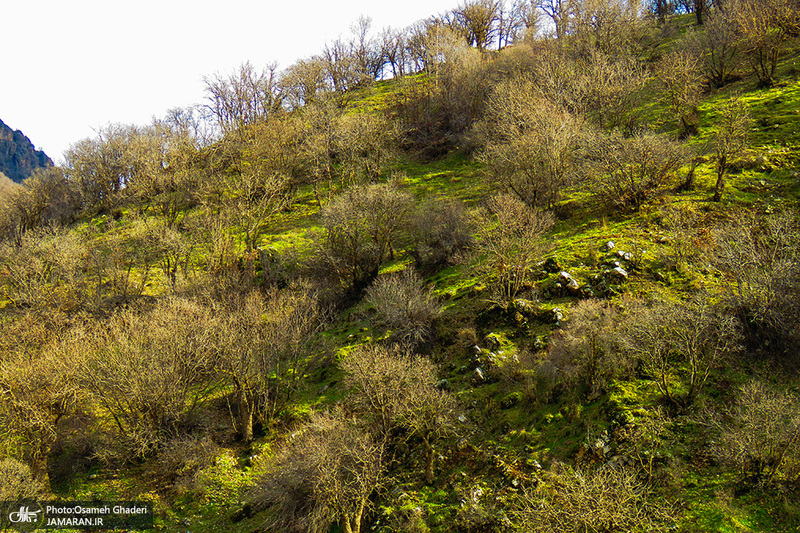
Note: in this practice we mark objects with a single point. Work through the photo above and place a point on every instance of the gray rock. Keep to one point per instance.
(567, 281)
(617, 274)
(492, 341)
(609, 246)
(478, 377)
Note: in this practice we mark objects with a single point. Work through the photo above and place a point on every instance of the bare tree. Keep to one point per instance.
(46, 197)
(764, 27)
(394, 47)
(627, 172)
(760, 434)
(731, 139)
(259, 337)
(405, 306)
(363, 225)
(106, 168)
(250, 175)
(35, 394)
(245, 97)
(397, 390)
(509, 244)
(327, 473)
(318, 123)
(442, 233)
(147, 373)
(304, 82)
(478, 21)
(761, 255)
(515, 20)
(529, 142)
(682, 83)
(609, 26)
(684, 340)
(586, 351)
(558, 12)
(718, 48)
(364, 144)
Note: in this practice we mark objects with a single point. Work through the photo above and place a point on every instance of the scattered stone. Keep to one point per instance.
(609, 246)
(478, 378)
(567, 281)
(526, 308)
(492, 341)
(550, 265)
(477, 350)
(537, 344)
(617, 274)
(627, 256)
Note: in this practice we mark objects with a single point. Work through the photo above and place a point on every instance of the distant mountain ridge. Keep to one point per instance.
(18, 156)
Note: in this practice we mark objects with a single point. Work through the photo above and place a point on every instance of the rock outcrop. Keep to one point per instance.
(18, 157)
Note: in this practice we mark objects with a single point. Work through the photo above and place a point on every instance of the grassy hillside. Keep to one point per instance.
(590, 364)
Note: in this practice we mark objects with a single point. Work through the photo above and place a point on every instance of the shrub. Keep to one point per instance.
(608, 499)
(509, 244)
(326, 474)
(626, 172)
(441, 233)
(585, 350)
(180, 459)
(679, 341)
(761, 255)
(405, 306)
(682, 83)
(396, 390)
(760, 434)
(17, 482)
(363, 225)
(528, 143)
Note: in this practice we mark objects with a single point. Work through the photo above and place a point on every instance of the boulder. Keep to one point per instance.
(550, 265)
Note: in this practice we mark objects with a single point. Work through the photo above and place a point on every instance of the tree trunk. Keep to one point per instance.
(245, 416)
(429, 459)
(719, 187)
(700, 11)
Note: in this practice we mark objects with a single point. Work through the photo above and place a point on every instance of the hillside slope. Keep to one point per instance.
(302, 327)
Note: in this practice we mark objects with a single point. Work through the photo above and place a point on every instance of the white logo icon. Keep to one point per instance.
(23, 515)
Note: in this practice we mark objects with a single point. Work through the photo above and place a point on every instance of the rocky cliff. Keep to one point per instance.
(18, 157)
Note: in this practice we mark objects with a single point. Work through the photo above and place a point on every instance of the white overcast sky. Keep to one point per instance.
(69, 67)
